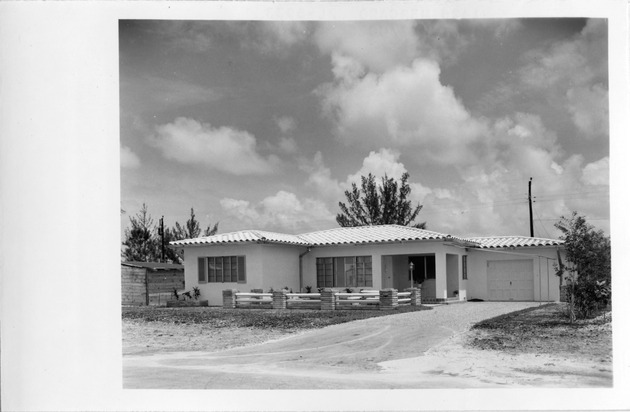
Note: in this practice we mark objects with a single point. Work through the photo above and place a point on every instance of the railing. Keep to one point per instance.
(304, 300)
(404, 298)
(261, 300)
(328, 299)
(362, 300)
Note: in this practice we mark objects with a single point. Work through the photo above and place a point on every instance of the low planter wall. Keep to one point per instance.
(328, 299)
(185, 303)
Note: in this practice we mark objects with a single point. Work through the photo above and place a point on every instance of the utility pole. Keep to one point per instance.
(161, 232)
(531, 216)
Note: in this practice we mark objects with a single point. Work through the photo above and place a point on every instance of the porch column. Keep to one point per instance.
(377, 270)
(440, 275)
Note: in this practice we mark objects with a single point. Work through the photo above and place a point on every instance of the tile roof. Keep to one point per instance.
(154, 265)
(494, 242)
(370, 234)
(337, 236)
(256, 236)
(365, 235)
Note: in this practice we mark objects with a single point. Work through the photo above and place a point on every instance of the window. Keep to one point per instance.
(464, 267)
(352, 271)
(222, 269)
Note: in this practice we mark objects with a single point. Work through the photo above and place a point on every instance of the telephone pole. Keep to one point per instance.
(531, 217)
(161, 232)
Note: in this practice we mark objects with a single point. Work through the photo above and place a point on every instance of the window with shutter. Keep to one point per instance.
(201, 268)
(222, 269)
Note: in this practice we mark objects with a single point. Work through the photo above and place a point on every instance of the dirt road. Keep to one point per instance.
(412, 350)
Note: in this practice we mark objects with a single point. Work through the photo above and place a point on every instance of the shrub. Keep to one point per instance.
(587, 272)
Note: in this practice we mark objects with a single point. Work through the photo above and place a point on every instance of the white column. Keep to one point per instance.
(440, 275)
(377, 272)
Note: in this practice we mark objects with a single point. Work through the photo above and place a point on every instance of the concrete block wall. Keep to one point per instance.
(133, 286)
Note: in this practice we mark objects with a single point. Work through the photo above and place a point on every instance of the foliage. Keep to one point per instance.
(196, 292)
(192, 229)
(587, 271)
(143, 239)
(140, 240)
(175, 294)
(382, 204)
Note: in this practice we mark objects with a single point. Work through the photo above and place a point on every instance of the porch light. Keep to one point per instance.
(411, 265)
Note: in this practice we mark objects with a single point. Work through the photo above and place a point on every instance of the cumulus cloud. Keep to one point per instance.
(597, 173)
(493, 193)
(287, 143)
(128, 159)
(588, 106)
(320, 178)
(224, 149)
(286, 124)
(576, 70)
(413, 109)
(375, 45)
(441, 40)
(381, 163)
(282, 211)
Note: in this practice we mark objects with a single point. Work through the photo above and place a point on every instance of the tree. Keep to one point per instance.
(141, 244)
(143, 240)
(190, 231)
(192, 228)
(382, 204)
(588, 270)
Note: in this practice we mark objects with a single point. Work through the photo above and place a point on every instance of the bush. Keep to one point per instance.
(587, 272)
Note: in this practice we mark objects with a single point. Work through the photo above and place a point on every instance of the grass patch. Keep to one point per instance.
(546, 329)
(288, 320)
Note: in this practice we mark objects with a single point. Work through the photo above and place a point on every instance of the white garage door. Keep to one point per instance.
(511, 279)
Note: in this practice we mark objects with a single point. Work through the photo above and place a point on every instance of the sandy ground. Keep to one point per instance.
(413, 350)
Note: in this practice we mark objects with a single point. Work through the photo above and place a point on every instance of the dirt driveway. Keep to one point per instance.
(411, 350)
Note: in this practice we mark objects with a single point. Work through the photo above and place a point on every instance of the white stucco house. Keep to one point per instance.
(375, 257)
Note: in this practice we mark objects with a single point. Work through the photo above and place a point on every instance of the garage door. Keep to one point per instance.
(511, 279)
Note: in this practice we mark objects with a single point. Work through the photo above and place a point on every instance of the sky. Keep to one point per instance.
(264, 125)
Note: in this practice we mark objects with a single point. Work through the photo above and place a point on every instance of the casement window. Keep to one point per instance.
(222, 269)
(351, 271)
(464, 267)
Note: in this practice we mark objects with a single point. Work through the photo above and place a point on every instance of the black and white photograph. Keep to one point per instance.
(370, 167)
(296, 207)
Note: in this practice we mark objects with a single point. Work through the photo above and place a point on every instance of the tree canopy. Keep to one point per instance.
(383, 204)
(587, 271)
(143, 240)
(140, 242)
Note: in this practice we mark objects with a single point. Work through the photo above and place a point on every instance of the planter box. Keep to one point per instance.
(186, 303)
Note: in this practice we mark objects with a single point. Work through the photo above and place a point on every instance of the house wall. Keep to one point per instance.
(546, 283)
(281, 267)
(389, 262)
(266, 266)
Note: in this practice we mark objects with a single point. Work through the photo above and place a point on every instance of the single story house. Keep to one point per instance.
(145, 283)
(446, 267)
